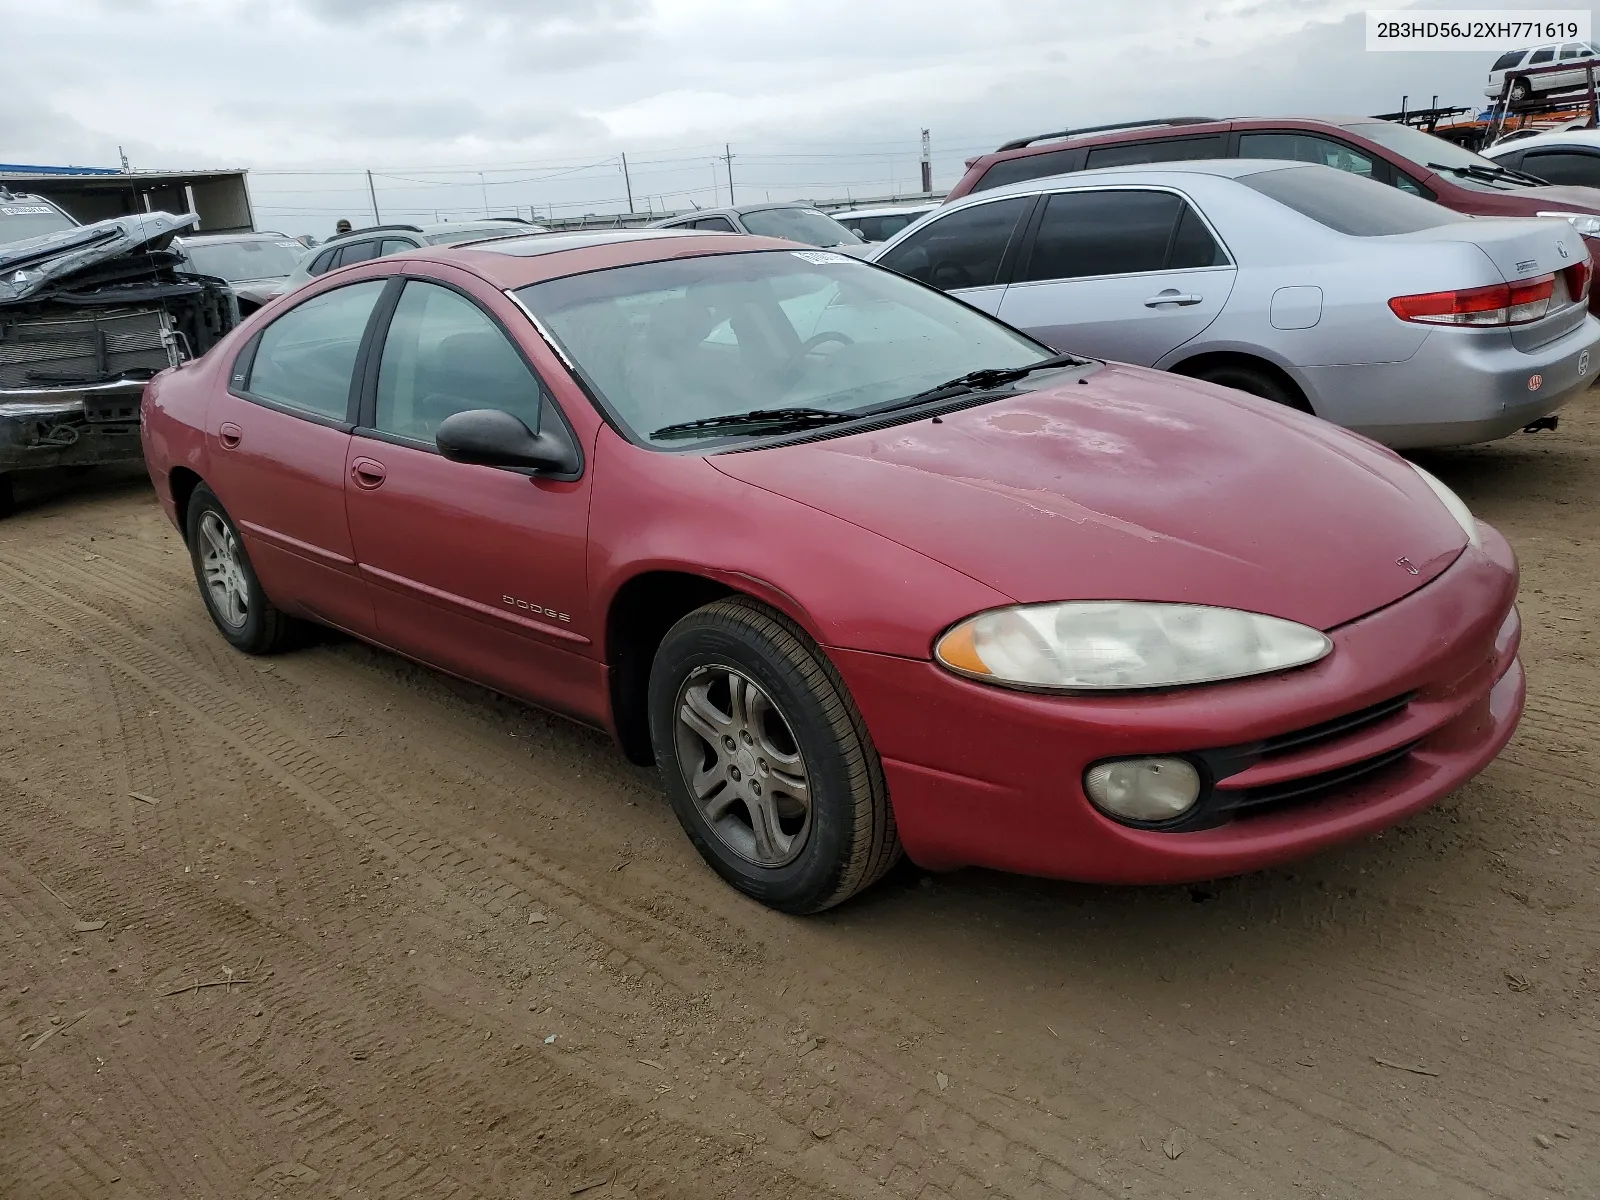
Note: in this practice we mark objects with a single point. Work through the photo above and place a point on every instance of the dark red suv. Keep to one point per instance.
(1397, 155)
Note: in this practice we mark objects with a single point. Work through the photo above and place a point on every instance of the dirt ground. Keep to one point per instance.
(468, 953)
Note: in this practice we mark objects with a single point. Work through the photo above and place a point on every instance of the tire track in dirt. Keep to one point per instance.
(991, 1132)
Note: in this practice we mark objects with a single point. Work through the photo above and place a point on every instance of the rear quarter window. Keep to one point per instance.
(1347, 203)
(1030, 166)
(1508, 60)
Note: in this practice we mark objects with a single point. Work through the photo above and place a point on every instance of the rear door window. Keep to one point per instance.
(1542, 56)
(1117, 233)
(1347, 204)
(305, 358)
(1563, 166)
(1031, 166)
(358, 252)
(1306, 147)
(1164, 150)
(443, 355)
(964, 249)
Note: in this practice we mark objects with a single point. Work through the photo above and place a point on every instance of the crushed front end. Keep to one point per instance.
(86, 319)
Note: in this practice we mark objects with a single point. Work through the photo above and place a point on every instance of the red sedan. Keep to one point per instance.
(856, 565)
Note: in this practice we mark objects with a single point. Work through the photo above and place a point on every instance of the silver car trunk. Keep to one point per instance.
(1525, 248)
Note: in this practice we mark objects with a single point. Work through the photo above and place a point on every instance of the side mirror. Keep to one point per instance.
(489, 437)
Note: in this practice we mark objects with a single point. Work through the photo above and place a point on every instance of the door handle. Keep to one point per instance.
(368, 473)
(230, 435)
(1173, 296)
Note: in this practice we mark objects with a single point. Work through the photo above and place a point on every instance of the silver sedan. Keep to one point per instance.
(1369, 307)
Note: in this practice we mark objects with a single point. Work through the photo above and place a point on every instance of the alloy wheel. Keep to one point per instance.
(223, 571)
(743, 766)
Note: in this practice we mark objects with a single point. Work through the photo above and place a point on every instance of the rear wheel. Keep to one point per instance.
(228, 584)
(1256, 381)
(1520, 90)
(766, 759)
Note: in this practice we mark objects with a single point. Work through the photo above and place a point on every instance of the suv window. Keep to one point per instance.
(305, 358)
(24, 217)
(394, 246)
(443, 355)
(1571, 50)
(1508, 60)
(355, 252)
(1032, 166)
(1542, 56)
(1348, 204)
(1117, 233)
(323, 262)
(720, 224)
(1165, 150)
(1563, 166)
(962, 250)
(1306, 147)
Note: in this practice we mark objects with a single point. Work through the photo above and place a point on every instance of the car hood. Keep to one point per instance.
(1555, 197)
(35, 265)
(1135, 485)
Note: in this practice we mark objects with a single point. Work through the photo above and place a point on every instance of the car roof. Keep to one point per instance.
(1167, 172)
(885, 210)
(734, 210)
(514, 262)
(1560, 137)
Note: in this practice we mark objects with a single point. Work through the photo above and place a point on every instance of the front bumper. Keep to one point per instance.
(68, 427)
(1457, 390)
(983, 776)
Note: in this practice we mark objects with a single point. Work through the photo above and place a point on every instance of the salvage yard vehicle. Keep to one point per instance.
(1323, 291)
(1382, 151)
(796, 222)
(1568, 156)
(1578, 54)
(856, 565)
(256, 265)
(881, 224)
(377, 241)
(88, 314)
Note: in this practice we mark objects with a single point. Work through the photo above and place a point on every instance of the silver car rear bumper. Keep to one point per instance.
(1461, 386)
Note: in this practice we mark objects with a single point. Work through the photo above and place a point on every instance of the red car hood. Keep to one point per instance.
(1560, 198)
(1136, 485)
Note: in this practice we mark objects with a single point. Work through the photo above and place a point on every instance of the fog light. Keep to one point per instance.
(1143, 789)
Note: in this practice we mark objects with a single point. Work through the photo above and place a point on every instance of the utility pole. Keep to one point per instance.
(716, 193)
(373, 192)
(927, 165)
(485, 188)
(626, 182)
(727, 157)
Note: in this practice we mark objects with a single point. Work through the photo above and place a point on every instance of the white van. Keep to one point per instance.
(1579, 54)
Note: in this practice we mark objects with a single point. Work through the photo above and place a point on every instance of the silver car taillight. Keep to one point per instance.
(1497, 304)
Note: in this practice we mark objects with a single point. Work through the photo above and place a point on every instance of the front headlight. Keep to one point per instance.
(1454, 503)
(1116, 645)
(1585, 223)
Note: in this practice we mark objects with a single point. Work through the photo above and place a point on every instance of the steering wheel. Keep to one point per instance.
(822, 339)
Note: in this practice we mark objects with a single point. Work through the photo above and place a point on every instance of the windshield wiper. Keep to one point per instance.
(775, 418)
(804, 418)
(1489, 174)
(975, 381)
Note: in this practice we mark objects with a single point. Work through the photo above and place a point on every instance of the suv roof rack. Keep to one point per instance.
(378, 228)
(1066, 133)
(511, 220)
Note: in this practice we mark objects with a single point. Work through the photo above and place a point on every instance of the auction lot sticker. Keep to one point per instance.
(1476, 29)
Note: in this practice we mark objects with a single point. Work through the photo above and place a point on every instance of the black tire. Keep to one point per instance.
(8, 496)
(848, 839)
(261, 628)
(1520, 90)
(1257, 382)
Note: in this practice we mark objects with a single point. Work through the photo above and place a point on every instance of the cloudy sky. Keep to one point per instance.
(519, 105)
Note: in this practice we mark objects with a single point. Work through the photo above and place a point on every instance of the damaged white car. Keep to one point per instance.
(88, 314)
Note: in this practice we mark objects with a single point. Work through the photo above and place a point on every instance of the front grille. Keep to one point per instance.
(1300, 739)
(83, 347)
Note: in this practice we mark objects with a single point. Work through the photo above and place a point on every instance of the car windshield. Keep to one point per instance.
(692, 339)
(1348, 203)
(23, 219)
(255, 258)
(799, 225)
(1424, 149)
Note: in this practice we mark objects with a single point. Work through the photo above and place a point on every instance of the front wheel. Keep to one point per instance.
(228, 584)
(766, 759)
